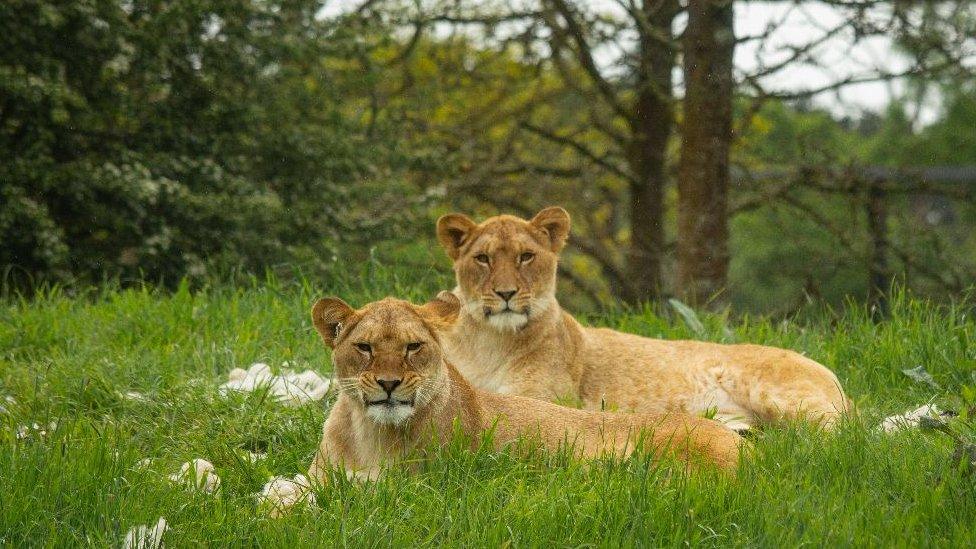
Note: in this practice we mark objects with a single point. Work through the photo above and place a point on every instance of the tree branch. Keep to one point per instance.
(601, 161)
(584, 54)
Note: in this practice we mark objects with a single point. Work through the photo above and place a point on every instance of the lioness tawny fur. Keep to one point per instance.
(512, 337)
(397, 393)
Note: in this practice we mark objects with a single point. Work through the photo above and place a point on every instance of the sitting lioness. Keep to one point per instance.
(397, 394)
(513, 338)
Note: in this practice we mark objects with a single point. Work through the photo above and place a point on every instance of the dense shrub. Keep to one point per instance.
(165, 139)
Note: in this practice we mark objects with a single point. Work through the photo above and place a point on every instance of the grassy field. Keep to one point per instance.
(70, 360)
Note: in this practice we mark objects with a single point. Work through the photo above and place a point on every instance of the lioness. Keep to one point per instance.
(397, 393)
(513, 338)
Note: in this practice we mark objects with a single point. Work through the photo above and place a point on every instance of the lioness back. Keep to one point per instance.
(742, 380)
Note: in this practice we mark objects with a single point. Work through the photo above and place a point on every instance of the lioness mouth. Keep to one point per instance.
(506, 310)
(389, 402)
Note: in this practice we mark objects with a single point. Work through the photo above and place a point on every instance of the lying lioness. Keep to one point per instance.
(513, 338)
(397, 394)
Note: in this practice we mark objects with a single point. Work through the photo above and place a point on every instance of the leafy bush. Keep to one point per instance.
(162, 140)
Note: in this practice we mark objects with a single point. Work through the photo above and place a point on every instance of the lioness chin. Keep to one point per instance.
(398, 394)
(513, 338)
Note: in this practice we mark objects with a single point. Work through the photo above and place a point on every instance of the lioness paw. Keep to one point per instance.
(281, 494)
(368, 475)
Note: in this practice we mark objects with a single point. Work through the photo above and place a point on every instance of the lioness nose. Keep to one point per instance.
(389, 384)
(506, 295)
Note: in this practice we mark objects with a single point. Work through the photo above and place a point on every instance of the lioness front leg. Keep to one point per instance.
(371, 474)
(281, 494)
(327, 459)
(318, 471)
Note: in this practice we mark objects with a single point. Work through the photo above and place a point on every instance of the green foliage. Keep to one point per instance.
(951, 139)
(810, 245)
(70, 360)
(781, 134)
(160, 140)
(781, 259)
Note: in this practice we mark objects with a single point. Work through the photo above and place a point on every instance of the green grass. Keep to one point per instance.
(67, 358)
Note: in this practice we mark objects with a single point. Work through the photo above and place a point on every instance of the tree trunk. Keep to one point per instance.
(879, 275)
(703, 174)
(651, 127)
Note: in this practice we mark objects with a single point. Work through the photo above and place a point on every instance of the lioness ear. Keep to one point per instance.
(328, 315)
(443, 309)
(555, 222)
(453, 231)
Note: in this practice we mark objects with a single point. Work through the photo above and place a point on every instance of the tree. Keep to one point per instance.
(703, 176)
(653, 122)
(170, 139)
(577, 122)
(615, 64)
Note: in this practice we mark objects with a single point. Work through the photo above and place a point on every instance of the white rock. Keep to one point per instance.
(287, 387)
(259, 369)
(145, 537)
(198, 474)
(24, 431)
(134, 396)
(237, 374)
(910, 419)
(41, 431)
(280, 494)
(314, 385)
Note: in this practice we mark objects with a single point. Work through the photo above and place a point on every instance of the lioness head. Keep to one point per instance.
(505, 266)
(387, 355)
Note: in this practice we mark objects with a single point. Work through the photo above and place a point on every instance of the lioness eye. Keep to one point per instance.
(414, 346)
(364, 347)
(526, 257)
(481, 258)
